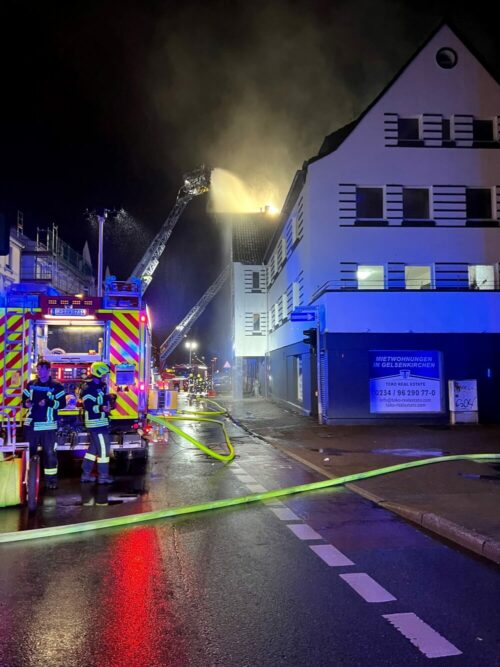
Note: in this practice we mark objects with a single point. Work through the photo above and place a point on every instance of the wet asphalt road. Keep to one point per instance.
(242, 586)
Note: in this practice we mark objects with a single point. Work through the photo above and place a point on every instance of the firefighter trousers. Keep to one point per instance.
(99, 448)
(48, 441)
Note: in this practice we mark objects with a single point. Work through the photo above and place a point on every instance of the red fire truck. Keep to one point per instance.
(72, 332)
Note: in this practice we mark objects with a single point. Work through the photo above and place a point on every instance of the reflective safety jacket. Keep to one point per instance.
(43, 417)
(94, 396)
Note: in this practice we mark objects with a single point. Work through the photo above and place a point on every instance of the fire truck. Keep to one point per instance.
(72, 332)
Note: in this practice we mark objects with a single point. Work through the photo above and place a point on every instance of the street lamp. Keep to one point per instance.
(191, 345)
(100, 220)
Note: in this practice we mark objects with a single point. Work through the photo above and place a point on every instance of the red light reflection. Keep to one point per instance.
(137, 618)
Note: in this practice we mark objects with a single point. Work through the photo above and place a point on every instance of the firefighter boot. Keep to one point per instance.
(51, 482)
(103, 476)
(87, 466)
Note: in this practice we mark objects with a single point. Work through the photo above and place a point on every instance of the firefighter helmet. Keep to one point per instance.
(98, 369)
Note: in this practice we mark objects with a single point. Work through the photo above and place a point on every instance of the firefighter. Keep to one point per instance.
(97, 404)
(43, 397)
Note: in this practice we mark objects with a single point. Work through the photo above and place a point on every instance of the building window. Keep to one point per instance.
(295, 295)
(369, 203)
(370, 277)
(478, 203)
(482, 276)
(483, 130)
(283, 250)
(415, 203)
(408, 129)
(295, 230)
(446, 130)
(255, 280)
(417, 277)
(256, 322)
(446, 58)
(284, 306)
(300, 385)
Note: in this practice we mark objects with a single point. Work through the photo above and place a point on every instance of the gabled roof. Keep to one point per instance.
(251, 234)
(334, 140)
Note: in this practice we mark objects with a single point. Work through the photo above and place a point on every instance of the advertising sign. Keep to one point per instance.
(405, 381)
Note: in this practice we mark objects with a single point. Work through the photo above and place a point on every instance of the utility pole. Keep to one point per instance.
(100, 220)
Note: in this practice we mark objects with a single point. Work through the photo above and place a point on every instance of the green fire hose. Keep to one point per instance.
(228, 502)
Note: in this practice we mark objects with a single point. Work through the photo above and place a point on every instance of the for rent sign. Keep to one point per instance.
(405, 381)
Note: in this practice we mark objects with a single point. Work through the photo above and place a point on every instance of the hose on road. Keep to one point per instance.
(114, 522)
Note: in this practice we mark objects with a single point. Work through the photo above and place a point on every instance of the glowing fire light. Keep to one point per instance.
(270, 209)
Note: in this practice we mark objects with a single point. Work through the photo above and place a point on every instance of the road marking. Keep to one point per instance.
(332, 556)
(304, 532)
(421, 635)
(246, 479)
(367, 587)
(273, 503)
(285, 514)
(256, 488)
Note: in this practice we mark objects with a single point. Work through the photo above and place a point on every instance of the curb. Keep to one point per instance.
(479, 544)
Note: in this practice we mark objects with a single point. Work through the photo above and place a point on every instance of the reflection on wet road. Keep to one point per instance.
(324, 578)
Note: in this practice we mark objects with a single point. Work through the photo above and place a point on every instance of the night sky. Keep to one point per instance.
(107, 103)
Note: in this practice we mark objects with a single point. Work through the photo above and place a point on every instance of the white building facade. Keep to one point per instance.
(250, 236)
(392, 236)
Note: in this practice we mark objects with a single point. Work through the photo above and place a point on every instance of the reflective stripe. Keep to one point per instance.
(103, 460)
(102, 442)
(90, 457)
(50, 471)
(96, 423)
(61, 393)
(56, 405)
(44, 426)
(89, 397)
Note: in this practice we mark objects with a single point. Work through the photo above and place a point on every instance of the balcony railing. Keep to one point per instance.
(410, 286)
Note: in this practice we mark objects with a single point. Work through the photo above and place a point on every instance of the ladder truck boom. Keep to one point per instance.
(196, 183)
(170, 343)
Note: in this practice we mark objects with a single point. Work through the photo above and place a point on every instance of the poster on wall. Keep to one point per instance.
(405, 381)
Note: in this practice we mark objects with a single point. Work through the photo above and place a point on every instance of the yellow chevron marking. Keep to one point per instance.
(133, 327)
(123, 408)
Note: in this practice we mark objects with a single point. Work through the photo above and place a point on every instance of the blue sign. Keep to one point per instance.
(303, 315)
(405, 381)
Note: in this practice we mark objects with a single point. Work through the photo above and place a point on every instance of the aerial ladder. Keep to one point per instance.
(183, 328)
(196, 183)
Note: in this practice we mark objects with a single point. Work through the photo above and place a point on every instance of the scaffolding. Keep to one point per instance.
(49, 260)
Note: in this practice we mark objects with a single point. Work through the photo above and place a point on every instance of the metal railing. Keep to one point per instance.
(397, 286)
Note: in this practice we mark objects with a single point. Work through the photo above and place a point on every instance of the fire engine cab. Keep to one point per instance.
(72, 332)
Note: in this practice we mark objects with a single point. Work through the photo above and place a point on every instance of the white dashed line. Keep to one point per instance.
(421, 635)
(256, 488)
(304, 532)
(246, 479)
(284, 514)
(332, 556)
(367, 587)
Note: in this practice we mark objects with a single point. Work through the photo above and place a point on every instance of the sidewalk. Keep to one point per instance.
(459, 500)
